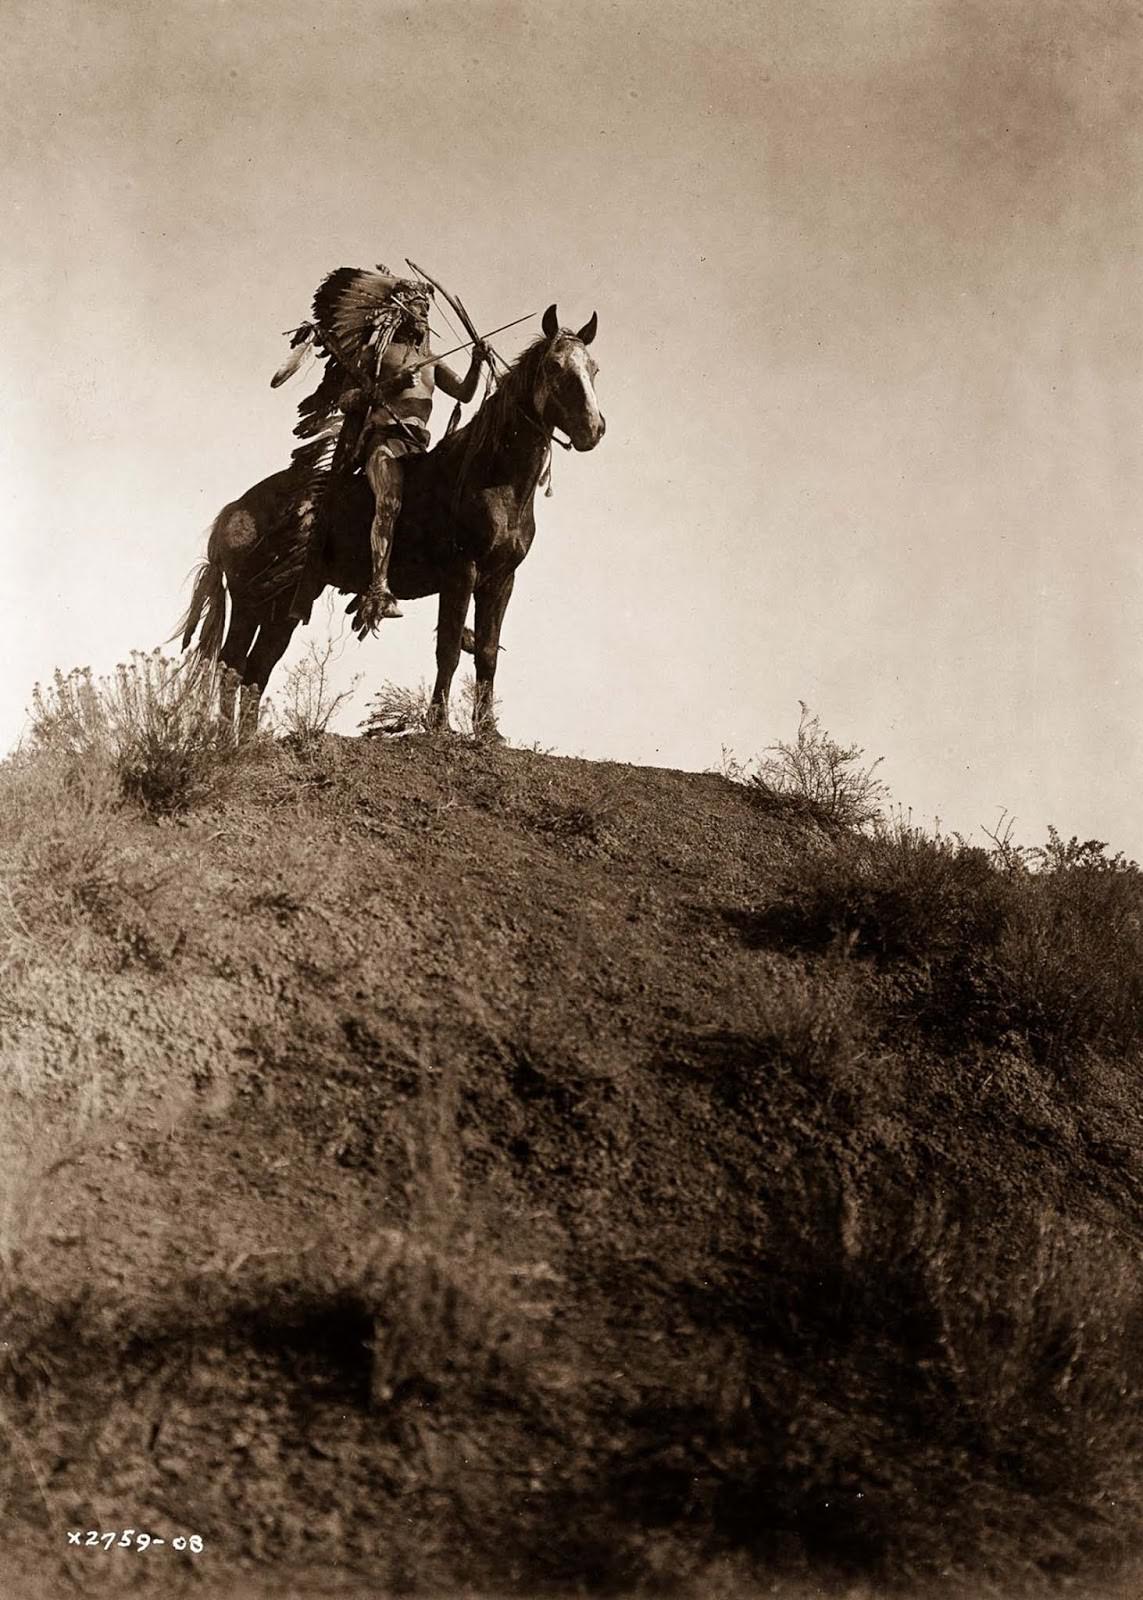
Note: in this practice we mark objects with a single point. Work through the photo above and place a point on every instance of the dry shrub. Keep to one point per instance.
(814, 779)
(307, 702)
(395, 710)
(976, 948)
(154, 722)
(1067, 973)
(898, 895)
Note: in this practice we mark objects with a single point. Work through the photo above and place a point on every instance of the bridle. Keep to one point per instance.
(550, 438)
(534, 422)
(549, 434)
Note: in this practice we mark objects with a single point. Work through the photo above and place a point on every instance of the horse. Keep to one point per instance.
(467, 521)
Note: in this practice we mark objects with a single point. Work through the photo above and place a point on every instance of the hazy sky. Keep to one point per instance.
(869, 292)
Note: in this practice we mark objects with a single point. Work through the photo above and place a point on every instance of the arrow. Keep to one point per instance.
(481, 338)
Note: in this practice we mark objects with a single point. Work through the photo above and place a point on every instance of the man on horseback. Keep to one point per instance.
(373, 405)
(473, 496)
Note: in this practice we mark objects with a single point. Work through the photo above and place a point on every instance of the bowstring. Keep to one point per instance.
(443, 309)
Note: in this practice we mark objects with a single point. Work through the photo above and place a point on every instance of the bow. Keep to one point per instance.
(458, 306)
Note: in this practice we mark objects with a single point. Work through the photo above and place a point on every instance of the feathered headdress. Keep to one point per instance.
(355, 315)
(351, 306)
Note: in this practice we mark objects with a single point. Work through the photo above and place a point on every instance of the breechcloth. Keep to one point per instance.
(384, 434)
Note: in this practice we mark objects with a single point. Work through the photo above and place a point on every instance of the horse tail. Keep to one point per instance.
(208, 607)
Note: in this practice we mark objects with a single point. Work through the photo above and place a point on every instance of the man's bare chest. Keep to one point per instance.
(403, 369)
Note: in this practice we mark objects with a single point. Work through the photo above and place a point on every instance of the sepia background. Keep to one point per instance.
(870, 305)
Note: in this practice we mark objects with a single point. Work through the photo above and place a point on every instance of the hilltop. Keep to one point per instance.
(438, 1169)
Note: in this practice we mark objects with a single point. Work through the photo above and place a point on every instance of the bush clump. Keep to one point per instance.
(396, 710)
(1040, 947)
(1067, 972)
(814, 779)
(154, 722)
(309, 700)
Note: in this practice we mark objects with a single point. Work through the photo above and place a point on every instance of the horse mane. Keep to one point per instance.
(498, 417)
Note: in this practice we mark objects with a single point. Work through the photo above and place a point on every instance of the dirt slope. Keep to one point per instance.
(471, 1200)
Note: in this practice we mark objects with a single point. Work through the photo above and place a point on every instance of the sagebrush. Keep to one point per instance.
(154, 721)
(814, 778)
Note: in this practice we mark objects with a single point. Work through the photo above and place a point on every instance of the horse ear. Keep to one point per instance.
(551, 323)
(587, 333)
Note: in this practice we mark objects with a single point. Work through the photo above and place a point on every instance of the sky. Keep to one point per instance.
(869, 292)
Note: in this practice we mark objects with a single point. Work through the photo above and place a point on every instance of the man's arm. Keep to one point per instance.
(462, 388)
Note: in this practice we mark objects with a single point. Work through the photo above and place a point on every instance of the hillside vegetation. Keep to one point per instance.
(438, 1169)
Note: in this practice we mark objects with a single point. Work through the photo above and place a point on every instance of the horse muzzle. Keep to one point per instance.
(587, 438)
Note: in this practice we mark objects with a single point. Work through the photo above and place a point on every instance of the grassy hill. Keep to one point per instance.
(433, 1169)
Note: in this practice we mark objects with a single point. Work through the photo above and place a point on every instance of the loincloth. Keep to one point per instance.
(408, 436)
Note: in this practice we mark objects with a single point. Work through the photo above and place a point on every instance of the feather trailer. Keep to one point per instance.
(300, 347)
(317, 408)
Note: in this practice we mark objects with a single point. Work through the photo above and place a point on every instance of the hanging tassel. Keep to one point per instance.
(454, 420)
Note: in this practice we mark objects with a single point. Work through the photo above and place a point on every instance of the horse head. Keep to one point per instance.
(564, 395)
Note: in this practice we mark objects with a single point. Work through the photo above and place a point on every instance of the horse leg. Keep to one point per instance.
(270, 647)
(456, 592)
(492, 597)
(232, 659)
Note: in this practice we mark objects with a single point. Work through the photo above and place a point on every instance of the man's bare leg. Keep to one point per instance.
(378, 601)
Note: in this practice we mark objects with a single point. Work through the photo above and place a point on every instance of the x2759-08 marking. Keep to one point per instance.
(131, 1539)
